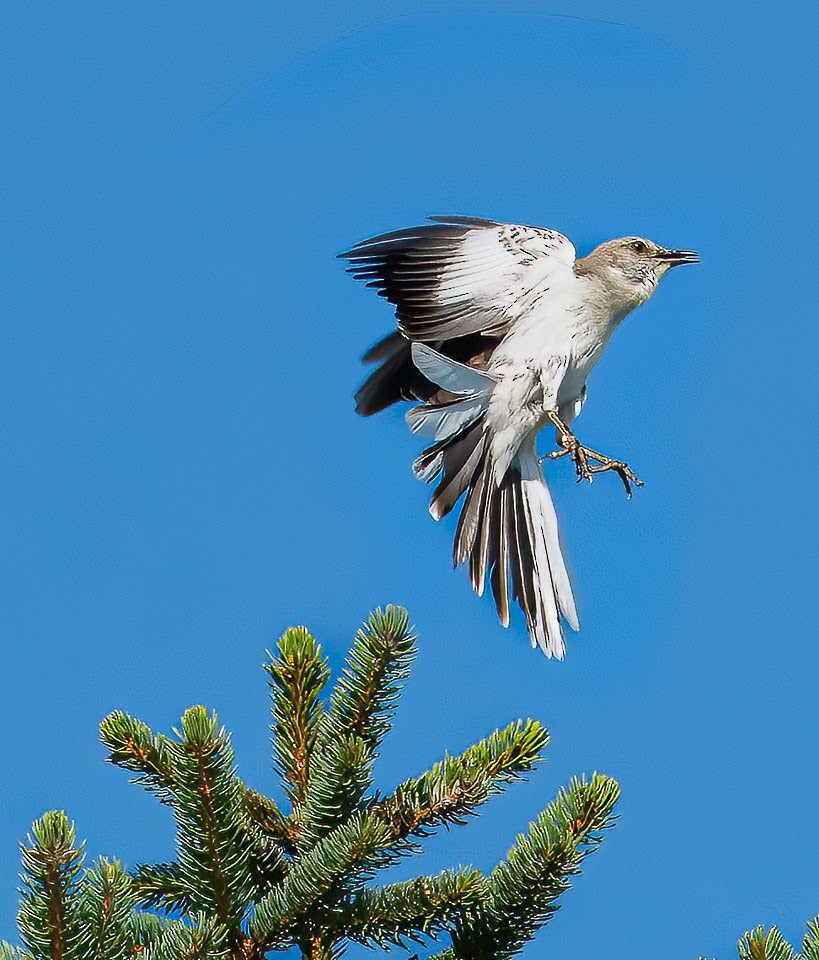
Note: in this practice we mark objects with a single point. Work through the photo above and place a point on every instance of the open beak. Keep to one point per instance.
(675, 257)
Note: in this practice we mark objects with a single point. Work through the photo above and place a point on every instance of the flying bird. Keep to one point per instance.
(499, 326)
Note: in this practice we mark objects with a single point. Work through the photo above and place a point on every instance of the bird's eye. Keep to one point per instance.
(638, 246)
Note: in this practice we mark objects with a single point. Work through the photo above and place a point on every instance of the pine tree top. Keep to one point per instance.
(250, 877)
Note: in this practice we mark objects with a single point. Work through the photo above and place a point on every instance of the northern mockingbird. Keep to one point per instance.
(499, 326)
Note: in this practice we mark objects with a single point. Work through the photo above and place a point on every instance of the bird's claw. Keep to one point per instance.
(585, 470)
(623, 471)
(579, 454)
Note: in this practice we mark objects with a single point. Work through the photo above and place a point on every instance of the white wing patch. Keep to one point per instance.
(458, 277)
(504, 264)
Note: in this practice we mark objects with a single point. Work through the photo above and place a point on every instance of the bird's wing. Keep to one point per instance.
(461, 275)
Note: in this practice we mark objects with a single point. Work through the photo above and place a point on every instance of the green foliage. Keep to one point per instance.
(810, 943)
(762, 944)
(360, 714)
(412, 909)
(213, 857)
(297, 677)
(524, 889)
(455, 786)
(201, 938)
(759, 944)
(52, 865)
(68, 912)
(105, 913)
(249, 878)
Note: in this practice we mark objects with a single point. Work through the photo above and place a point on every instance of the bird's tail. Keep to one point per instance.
(507, 531)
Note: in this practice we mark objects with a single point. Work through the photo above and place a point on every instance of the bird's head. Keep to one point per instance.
(634, 266)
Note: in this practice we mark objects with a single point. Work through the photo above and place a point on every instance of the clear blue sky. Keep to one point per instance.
(183, 474)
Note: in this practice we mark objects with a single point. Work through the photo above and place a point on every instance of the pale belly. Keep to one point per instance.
(542, 364)
(584, 356)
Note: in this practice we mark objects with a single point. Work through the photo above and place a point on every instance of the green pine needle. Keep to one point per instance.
(203, 938)
(525, 888)
(213, 855)
(352, 852)
(360, 715)
(105, 912)
(134, 747)
(297, 677)
(759, 945)
(455, 786)
(52, 865)
(762, 944)
(162, 886)
(268, 818)
(9, 952)
(367, 692)
(810, 944)
(411, 910)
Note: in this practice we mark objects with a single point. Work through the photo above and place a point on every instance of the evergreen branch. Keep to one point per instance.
(360, 714)
(759, 944)
(213, 855)
(268, 836)
(367, 692)
(265, 814)
(134, 747)
(203, 939)
(340, 779)
(810, 943)
(351, 853)
(450, 791)
(162, 885)
(51, 868)
(756, 944)
(267, 863)
(410, 910)
(105, 913)
(146, 929)
(9, 952)
(297, 677)
(524, 889)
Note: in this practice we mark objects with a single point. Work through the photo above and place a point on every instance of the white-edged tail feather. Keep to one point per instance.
(507, 531)
(553, 589)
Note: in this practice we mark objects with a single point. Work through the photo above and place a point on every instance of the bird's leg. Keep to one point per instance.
(620, 467)
(571, 446)
(582, 455)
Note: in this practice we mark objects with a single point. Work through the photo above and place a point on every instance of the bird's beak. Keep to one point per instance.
(675, 257)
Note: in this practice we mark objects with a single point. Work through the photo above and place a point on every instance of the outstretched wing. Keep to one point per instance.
(461, 275)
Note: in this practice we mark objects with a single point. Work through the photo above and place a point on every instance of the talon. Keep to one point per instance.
(581, 456)
(623, 471)
(581, 462)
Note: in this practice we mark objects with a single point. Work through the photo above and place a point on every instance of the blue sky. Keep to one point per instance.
(183, 474)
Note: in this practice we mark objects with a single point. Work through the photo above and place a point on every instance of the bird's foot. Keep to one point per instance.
(620, 467)
(588, 462)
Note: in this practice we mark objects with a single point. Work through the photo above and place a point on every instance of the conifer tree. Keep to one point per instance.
(250, 877)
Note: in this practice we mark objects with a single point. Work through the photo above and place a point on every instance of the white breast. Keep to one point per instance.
(563, 335)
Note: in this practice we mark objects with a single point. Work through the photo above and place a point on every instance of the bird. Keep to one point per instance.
(498, 328)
